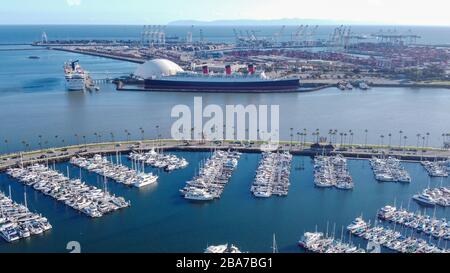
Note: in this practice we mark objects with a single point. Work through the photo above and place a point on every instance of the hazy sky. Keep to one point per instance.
(415, 12)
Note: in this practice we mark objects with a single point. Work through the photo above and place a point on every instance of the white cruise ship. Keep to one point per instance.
(75, 76)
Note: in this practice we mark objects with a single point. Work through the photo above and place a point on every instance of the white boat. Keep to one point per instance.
(9, 234)
(198, 195)
(75, 76)
(145, 180)
(424, 199)
(225, 248)
(363, 86)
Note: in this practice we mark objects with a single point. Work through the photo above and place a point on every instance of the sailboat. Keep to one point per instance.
(274, 245)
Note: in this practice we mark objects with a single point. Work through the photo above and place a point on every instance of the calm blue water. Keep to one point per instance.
(28, 34)
(33, 102)
(160, 220)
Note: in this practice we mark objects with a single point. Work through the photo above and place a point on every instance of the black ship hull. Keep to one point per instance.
(225, 86)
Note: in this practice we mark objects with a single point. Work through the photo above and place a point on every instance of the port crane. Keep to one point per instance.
(278, 35)
(189, 35)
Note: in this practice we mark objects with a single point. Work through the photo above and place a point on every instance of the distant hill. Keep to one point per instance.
(250, 22)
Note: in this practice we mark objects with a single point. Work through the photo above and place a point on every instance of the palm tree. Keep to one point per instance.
(77, 138)
(330, 133)
(24, 145)
(6, 146)
(390, 139)
(298, 138)
(428, 137)
(291, 133)
(40, 142)
(405, 138)
(126, 134)
(382, 140)
(84, 140)
(400, 133)
(342, 135)
(142, 133)
(56, 138)
(418, 137)
(157, 131)
(112, 136)
(96, 137)
(365, 137)
(351, 138)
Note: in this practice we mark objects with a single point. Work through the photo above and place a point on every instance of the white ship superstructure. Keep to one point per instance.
(75, 76)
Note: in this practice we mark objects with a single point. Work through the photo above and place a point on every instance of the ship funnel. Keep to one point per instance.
(205, 70)
(228, 69)
(251, 69)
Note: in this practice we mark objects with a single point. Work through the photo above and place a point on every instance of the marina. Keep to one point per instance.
(168, 162)
(389, 170)
(17, 222)
(272, 175)
(332, 171)
(429, 225)
(436, 168)
(321, 243)
(135, 176)
(391, 238)
(74, 193)
(213, 175)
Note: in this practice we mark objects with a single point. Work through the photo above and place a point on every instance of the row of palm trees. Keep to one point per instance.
(334, 137)
(347, 138)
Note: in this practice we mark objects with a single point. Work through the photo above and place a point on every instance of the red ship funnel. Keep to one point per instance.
(205, 70)
(228, 69)
(251, 69)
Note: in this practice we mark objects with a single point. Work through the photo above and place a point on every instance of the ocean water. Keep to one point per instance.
(160, 220)
(28, 34)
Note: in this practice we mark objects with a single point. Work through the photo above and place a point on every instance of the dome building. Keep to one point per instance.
(157, 68)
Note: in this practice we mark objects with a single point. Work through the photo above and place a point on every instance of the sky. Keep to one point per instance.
(401, 12)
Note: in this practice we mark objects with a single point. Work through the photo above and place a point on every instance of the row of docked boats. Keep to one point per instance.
(74, 193)
(272, 175)
(389, 170)
(332, 171)
(392, 239)
(436, 168)
(99, 164)
(320, 243)
(17, 222)
(168, 162)
(212, 177)
(421, 223)
(434, 196)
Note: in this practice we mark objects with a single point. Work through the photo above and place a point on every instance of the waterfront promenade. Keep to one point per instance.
(62, 154)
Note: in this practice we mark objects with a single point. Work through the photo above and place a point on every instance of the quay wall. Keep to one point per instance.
(64, 154)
